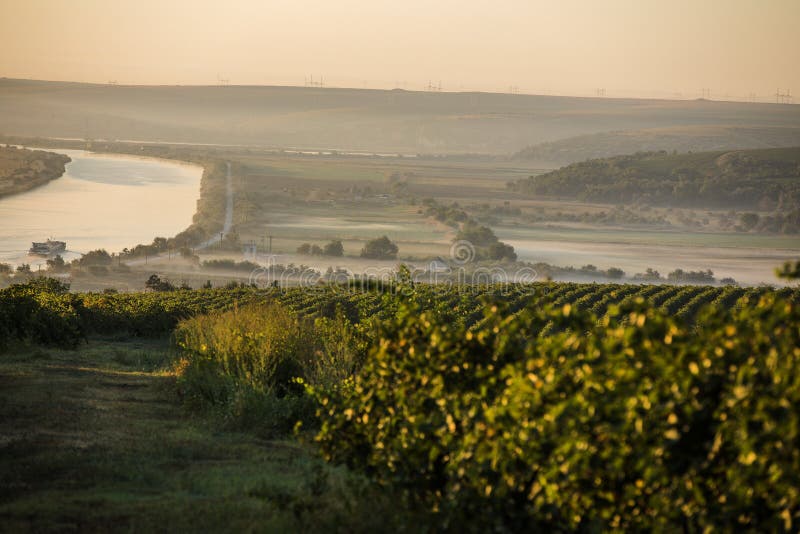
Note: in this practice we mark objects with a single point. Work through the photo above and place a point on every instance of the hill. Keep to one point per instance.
(350, 119)
(681, 139)
(766, 179)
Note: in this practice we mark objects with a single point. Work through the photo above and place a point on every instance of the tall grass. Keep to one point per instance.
(250, 362)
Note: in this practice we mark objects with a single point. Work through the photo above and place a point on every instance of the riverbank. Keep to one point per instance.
(22, 169)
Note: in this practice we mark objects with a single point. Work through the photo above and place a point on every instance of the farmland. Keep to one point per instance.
(246, 391)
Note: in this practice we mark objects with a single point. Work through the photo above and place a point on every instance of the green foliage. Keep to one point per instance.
(334, 248)
(381, 248)
(95, 257)
(250, 362)
(41, 311)
(636, 422)
(755, 179)
(789, 271)
(156, 283)
(56, 264)
(486, 244)
(691, 277)
(231, 265)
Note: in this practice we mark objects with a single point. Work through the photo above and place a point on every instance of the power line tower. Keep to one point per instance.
(311, 83)
(600, 91)
(705, 93)
(783, 98)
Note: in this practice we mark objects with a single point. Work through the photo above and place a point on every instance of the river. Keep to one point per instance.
(105, 201)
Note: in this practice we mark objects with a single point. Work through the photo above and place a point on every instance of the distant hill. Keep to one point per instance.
(766, 179)
(681, 139)
(352, 119)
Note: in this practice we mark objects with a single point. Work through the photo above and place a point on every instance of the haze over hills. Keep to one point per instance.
(385, 121)
(678, 138)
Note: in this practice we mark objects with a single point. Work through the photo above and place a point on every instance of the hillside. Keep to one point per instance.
(351, 119)
(22, 169)
(766, 179)
(681, 139)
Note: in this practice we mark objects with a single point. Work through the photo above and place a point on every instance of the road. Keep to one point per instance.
(228, 224)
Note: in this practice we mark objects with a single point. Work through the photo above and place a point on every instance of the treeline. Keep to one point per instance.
(483, 242)
(766, 180)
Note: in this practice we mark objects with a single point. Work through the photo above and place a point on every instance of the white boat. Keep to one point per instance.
(48, 248)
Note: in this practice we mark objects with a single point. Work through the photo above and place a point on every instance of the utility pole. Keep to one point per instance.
(270, 243)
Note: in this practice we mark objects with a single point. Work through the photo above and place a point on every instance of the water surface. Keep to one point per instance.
(102, 201)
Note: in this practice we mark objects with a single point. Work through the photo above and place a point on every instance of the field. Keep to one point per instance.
(185, 408)
(294, 199)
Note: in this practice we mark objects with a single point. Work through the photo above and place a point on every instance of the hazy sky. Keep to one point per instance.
(628, 47)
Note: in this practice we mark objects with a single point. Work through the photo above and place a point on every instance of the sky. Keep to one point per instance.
(670, 48)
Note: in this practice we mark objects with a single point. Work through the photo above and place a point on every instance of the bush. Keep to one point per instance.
(41, 311)
(635, 422)
(380, 249)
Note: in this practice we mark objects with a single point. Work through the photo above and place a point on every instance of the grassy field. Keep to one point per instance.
(96, 440)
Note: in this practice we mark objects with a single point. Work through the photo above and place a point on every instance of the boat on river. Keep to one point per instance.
(47, 248)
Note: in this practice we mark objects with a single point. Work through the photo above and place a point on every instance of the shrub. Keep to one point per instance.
(635, 422)
(41, 311)
(250, 362)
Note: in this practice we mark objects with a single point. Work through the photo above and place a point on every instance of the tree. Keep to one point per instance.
(95, 257)
(304, 249)
(615, 273)
(334, 248)
(56, 264)
(381, 248)
(501, 251)
(749, 221)
(5, 269)
(155, 283)
(789, 271)
(160, 243)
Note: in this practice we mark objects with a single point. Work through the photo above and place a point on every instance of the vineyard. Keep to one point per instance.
(554, 406)
(71, 317)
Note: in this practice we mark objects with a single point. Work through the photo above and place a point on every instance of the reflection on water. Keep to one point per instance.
(101, 201)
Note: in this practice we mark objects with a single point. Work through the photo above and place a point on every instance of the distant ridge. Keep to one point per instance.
(350, 119)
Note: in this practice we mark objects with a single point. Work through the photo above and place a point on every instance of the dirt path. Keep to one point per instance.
(95, 440)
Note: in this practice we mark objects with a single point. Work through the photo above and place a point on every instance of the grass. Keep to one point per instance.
(97, 440)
